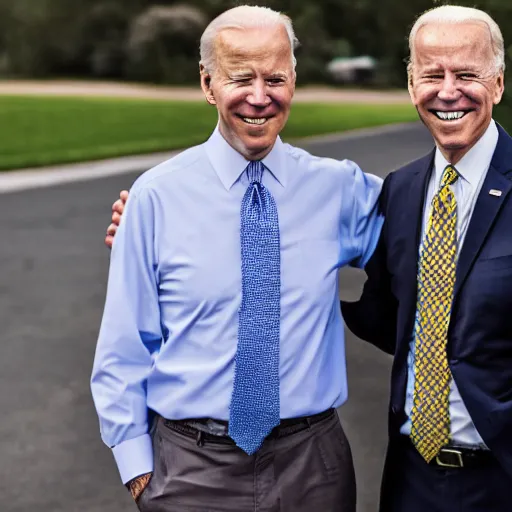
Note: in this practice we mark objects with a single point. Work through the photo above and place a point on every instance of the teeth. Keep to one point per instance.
(449, 116)
(261, 120)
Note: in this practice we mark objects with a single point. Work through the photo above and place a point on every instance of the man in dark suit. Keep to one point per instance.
(439, 288)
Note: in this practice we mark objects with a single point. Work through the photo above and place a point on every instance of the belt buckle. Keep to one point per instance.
(458, 457)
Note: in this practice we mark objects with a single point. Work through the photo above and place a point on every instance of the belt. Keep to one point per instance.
(463, 457)
(285, 428)
(455, 456)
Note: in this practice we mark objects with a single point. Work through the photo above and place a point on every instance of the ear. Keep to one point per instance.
(294, 82)
(500, 87)
(206, 85)
(410, 84)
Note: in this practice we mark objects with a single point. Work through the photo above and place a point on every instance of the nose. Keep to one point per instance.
(258, 97)
(449, 90)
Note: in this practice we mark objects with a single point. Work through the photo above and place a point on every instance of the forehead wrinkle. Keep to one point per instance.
(454, 62)
(258, 56)
(244, 68)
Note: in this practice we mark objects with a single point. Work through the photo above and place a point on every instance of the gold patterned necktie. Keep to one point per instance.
(430, 417)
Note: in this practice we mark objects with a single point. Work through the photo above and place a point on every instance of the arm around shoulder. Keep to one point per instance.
(373, 317)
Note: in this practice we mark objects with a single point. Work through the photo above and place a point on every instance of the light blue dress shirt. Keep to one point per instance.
(168, 336)
(472, 170)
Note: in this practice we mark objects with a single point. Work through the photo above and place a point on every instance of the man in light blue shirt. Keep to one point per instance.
(181, 312)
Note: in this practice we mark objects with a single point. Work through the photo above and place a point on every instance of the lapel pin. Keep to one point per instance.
(494, 192)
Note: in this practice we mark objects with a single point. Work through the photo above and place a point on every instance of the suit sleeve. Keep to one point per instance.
(373, 317)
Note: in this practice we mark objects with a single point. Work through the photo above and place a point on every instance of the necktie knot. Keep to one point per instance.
(450, 176)
(255, 171)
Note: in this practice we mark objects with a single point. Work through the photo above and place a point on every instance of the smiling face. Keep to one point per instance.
(454, 85)
(252, 87)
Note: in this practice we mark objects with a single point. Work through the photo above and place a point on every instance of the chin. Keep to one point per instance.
(258, 149)
(451, 142)
(452, 139)
(453, 149)
(258, 141)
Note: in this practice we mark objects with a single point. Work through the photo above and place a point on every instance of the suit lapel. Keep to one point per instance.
(487, 207)
(413, 219)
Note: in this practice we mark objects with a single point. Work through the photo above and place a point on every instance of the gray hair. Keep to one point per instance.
(459, 14)
(243, 17)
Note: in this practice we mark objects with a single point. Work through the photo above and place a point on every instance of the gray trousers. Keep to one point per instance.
(307, 471)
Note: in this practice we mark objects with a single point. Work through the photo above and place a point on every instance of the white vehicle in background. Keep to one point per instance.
(352, 70)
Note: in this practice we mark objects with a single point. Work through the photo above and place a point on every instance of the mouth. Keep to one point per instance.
(255, 121)
(450, 115)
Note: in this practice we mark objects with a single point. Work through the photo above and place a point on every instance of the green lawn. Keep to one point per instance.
(46, 130)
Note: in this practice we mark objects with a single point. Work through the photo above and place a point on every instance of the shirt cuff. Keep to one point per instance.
(134, 457)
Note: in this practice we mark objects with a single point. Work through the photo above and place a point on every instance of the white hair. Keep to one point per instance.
(243, 17)
(458, 14)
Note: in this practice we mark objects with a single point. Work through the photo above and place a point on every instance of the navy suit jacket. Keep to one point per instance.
(480, 333)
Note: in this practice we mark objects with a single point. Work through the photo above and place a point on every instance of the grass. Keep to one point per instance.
(37, 131)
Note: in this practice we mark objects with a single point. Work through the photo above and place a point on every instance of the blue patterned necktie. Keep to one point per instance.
(254, 410)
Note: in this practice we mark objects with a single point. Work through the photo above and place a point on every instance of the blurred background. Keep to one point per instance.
(352, 53)
(352, 56)
(157, 41)
(86, 80)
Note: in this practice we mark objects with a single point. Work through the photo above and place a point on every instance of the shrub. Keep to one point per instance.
(104, 38)
(163, 44)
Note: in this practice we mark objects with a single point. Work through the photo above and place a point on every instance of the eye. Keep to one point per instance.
(275, 81)
(434, 77)
(466, 76)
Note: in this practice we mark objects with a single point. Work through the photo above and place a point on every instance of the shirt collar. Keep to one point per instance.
(229, 164)
(475, 162)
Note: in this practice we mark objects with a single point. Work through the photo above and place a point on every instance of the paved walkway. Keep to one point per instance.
(133, 90)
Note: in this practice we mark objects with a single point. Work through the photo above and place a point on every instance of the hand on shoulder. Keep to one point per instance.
(117, 213)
